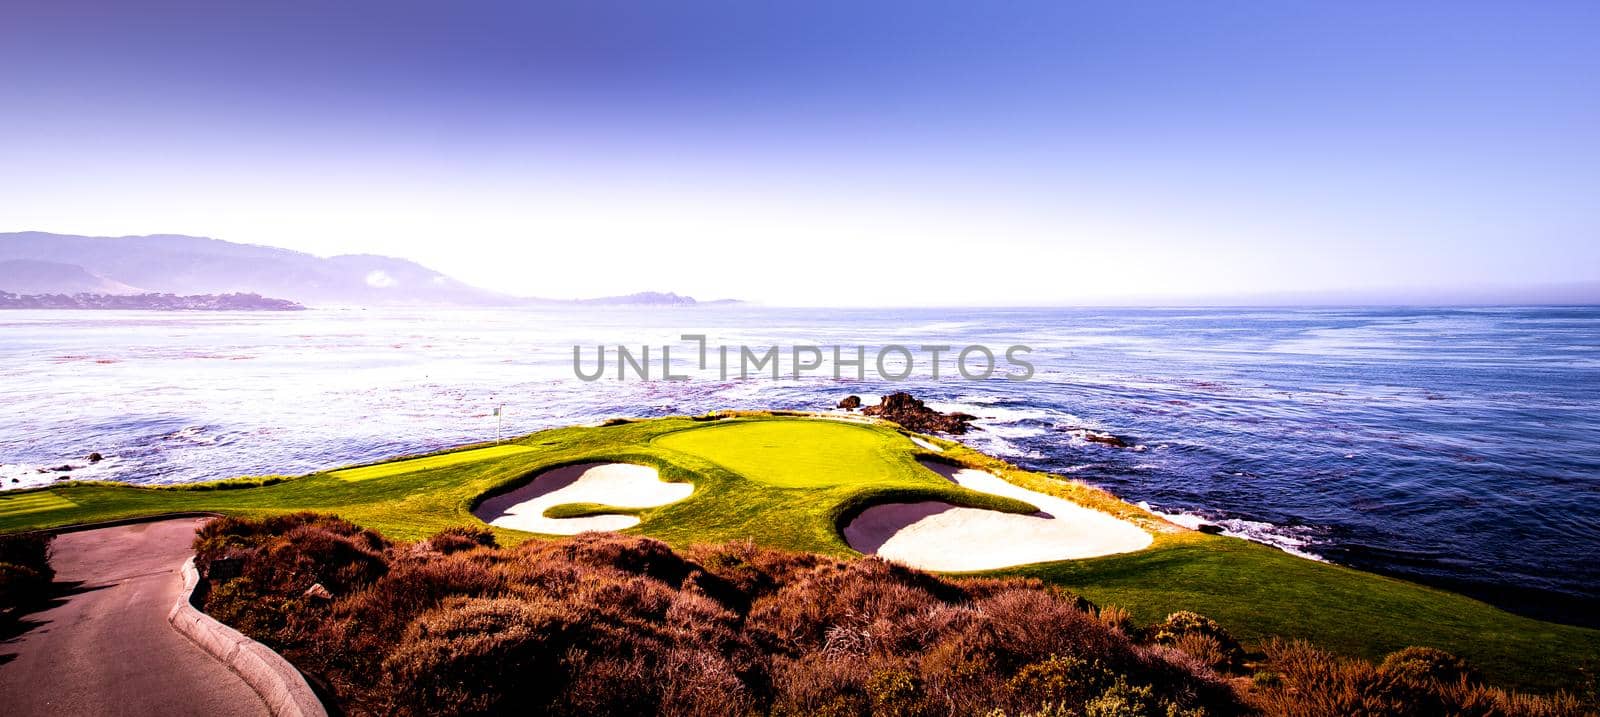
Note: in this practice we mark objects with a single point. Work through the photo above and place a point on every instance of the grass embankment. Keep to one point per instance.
(789, 482)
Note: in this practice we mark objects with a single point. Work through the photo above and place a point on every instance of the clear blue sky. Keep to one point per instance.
(1003, 152)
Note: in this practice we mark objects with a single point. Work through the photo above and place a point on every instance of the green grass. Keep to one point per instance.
(1260, 592)
(822, 455)
(36, 503)
(381, 470)
(790, 482)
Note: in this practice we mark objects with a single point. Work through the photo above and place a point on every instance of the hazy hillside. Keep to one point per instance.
(195, 265)
(650, 298)
(44, 263)
(31, 276)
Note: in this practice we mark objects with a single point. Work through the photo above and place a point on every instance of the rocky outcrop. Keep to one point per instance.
(910, 413)
(1104, 439)
(850, 403)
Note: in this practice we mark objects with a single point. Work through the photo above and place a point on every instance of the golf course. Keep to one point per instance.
(799, 482)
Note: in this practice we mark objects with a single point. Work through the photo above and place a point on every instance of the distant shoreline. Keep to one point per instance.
(146, 302)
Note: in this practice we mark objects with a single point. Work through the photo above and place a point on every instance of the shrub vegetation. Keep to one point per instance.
(611, 624)
(603, 624)
(25, 572)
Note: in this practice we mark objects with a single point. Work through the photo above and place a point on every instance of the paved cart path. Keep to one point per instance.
(106, 647)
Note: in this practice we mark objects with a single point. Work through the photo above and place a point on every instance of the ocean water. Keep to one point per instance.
(1458, 447)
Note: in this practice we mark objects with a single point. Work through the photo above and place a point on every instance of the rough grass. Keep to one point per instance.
(1260, 593)
(392, 468)
(1255, 592)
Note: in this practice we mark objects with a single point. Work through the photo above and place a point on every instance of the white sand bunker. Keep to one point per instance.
(926, 444)
(933, 535)
(623, 485)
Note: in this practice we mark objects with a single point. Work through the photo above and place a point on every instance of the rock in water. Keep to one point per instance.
(1104, 439)
(850, 402)
(96, 457)
(910, 413)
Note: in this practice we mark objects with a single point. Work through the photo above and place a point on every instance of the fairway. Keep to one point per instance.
(813, 454)
(34, 503)
(383, 470)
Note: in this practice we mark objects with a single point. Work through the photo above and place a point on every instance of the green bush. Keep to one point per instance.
(25, 572)
(1201, 637)
(1124, 700)
(1427, 664)
(1060, 680)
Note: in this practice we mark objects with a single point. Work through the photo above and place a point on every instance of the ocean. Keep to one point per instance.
(1457, 447)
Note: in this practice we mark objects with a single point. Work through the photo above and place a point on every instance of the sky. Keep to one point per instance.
(830, 153)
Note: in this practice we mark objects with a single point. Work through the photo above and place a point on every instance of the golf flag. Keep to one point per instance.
(496, 410)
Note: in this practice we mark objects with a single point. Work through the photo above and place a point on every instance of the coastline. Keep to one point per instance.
(1249, 587)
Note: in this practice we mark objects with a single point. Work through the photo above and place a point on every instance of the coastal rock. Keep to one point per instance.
(1105, 439)
(1209, 528)
(96, 457)
(62, 468)
(1102, 438)
(850, 403)
(910, 413)
(317, 592)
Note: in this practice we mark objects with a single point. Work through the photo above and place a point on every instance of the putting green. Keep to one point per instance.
(810, 454)
(383, 470)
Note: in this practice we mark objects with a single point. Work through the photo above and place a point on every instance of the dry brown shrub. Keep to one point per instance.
(1118, 619)
(481, 655)
(458, 538)
(608, 624)
(1314, 683)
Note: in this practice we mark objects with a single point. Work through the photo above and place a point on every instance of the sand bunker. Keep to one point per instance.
(926, 444)
(615, 484)
(932, 535)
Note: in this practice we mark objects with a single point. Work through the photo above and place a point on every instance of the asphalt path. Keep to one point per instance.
(104, 646)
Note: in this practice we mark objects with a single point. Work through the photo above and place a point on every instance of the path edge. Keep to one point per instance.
(279, 684)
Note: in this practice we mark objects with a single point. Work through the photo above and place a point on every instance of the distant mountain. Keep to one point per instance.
(30, 276)
(43, 263)
(169, 263)
(643, 298)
